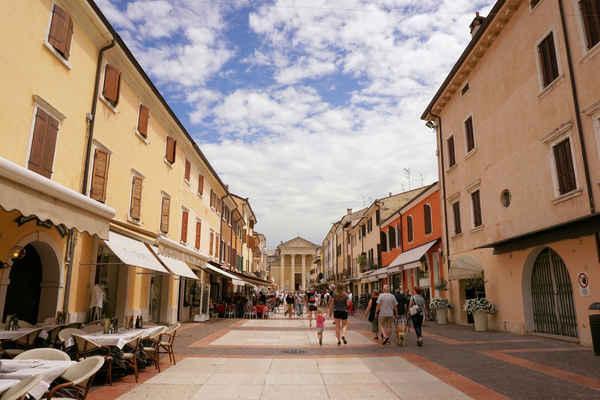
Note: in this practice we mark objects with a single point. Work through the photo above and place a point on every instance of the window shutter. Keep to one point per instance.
(61, 31)
(469, 134)
(171, 149)
(451, 154)
(383, 241)
(136, 198)
(200, 185)
(143, 118)
(100, 176)
(476, 208)
(49, 147)
(217, 246)
(184, 226)
(427, 212)
(564, 167)
(409, 226)
(212, 198)
(590, 10)
(188, 167)
(244, 235)
(164, 216)
(37, 142)
(198, 233)
(210, 248)
(457, 225)
(112, 83)
(548, 59)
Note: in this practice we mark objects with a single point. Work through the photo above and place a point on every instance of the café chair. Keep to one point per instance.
(86, 348)
(152, 345)
(230, 312)
(50, 320)
(53, 334)
(130, 357)
(167, 342)
(21, 343)
(24, 324)
(43, 354)
(20, 390)
(93, 328)
(65, 334)
(148, 323)
(79, 376)
(73, 325)
(96, 322)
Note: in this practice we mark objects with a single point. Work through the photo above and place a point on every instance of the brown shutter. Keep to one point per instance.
(457, 225)
(188, 167)
(136, 198)
(244, 235)
(470, 134)
(564, 167)
(112, 83)
(476, 208)
(198, 233)
(164, 215)
(210, 248)
(184, 226)
(171, 149)
(37, 142)
(409, 226)
(451, 154)
(217, 246)
(212, 198)
(61, 31)
(427, 212)
(100, 176)
(49, 147)
(200, 185)
(143, 118)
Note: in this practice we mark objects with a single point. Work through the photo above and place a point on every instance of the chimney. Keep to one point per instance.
(390, 194)
(349, 211)
(476, 24)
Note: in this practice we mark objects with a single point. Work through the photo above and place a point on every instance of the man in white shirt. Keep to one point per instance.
(387, 309)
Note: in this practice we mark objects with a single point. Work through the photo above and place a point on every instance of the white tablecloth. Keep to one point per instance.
(6, 384)
(115, 339)
(26, 368)
(4, 335)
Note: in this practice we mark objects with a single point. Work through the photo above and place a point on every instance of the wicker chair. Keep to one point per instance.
(152, 351)
(21, 389)
(167, 344)
(86, 348)
(50, 320)
(93, 328)
(65, 334)
(43, 354)
(79, 376)
(24, 324)
(22, 343)
(130, 357)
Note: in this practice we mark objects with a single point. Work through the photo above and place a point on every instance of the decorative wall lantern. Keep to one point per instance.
(15, 254)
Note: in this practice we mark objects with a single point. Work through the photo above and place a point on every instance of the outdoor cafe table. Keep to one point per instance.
(119, 339)
(260, 310)
(23, 369)
(5, 335)
(6, 384)
(220, 309)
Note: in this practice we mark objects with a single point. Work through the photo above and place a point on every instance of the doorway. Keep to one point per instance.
(23, 292)
(155, 298)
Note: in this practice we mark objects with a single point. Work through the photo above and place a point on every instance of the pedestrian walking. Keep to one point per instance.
(299, 300)
(418, 310)
(400, 322)
(371, 312)
(386, 311)
(311, 299)
(289, 299)
(320, 325)
(339, 304)
(351, 309)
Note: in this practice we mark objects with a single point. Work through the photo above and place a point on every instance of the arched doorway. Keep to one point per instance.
(23, 293)
(552, 302)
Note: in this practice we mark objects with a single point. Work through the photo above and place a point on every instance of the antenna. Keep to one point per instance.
(403, 188)
(364, 202)
(407, 171)
(422, 184)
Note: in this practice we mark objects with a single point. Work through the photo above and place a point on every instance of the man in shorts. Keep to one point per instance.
(387, 309)
(400, 322)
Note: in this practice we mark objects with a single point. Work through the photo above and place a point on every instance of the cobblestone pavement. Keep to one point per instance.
(238, 358)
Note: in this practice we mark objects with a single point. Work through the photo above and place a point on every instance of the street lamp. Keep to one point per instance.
(15, 254)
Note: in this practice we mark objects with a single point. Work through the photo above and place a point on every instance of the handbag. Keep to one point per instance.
(414, 310)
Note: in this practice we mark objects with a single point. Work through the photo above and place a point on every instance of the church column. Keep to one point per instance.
(303, 271)
(281, 274)
(293, 277)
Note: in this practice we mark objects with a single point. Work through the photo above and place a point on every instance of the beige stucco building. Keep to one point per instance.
(518, 128)
(292, 264)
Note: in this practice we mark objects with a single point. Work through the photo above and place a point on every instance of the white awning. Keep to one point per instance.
(169, 248)
(464, 267)
(410, 259)
(33, 194)
(175, 266)
(234, 279)
(133, 252)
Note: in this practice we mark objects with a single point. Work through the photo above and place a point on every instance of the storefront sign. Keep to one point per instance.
(180, 255)
(584, 284)
(46, 224)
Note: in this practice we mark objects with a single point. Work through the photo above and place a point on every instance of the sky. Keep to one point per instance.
(306, 107)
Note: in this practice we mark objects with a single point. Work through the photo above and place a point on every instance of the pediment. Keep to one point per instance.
(298, 242)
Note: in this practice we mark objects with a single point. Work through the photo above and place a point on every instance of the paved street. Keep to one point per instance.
(250, 359)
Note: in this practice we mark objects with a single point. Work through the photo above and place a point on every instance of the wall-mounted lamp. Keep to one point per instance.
(430, 124)
(441, 252)
(15, 254)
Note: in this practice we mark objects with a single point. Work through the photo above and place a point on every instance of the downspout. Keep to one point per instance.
(578, 119)
(93, 116)
(71, 242)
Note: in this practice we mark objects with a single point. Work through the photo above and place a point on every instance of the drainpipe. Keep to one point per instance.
(71, 242)
(578, 119)
(93, 116)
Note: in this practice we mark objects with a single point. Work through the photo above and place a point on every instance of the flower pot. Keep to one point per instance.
(480, 318)
(441, 316)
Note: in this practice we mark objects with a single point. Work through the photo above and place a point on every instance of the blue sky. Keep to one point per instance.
(306, 107)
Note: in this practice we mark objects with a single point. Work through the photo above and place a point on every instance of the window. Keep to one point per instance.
(476, 203)
(136, 197)
(112, 84)
(534, 3)
(469, 134)
(377, 217)
(61, 32)
(451, 152)
(99, 174)
(564, 167)
(188, 167)
(211, 243)
(143, 117)
(184, 225)
(409, 228)
(383, 241)
(198, 233)
(200, 185)
(548, 61)
(590, 10)
(43, 143)
(456, 218)
(464, 89)
(364, 230)
(392, 237)
(171, 149)
(164, 213)
(427, 218)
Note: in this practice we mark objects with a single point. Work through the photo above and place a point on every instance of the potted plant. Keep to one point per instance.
(440, 306)
(442, 286)
(480, 308)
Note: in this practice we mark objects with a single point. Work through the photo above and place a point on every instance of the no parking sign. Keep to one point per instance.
(584, 284)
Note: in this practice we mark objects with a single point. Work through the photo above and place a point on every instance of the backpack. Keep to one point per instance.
(311, 298)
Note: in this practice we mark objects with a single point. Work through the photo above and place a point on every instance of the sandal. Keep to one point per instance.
(344, 339)
(339, 343)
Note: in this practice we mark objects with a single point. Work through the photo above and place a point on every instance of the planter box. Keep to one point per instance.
(480, 319)
(441, 315)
